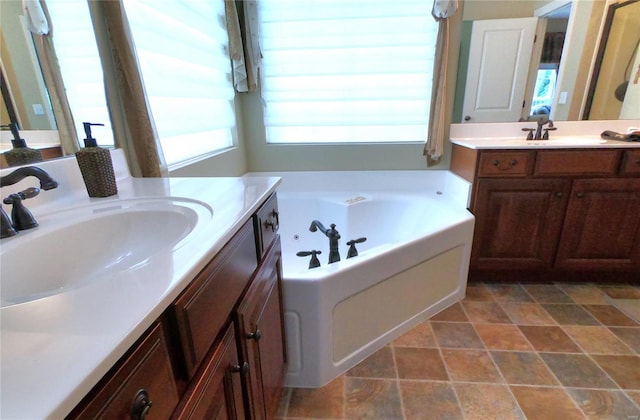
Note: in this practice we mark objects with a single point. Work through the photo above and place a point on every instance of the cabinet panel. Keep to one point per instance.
(572, 162)
(217, 393)
(267, 220)
(630, 163)
(517, 222)
(505, 164)
(261, 327)
(147, 368)
(602, 227)
(204, 307)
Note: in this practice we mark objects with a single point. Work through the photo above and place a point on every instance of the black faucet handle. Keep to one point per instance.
(530, 130)
(21, 217)
(353, 252)
(314, 262)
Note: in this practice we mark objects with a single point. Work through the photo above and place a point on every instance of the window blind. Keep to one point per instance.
(336, 71)
(182, 49)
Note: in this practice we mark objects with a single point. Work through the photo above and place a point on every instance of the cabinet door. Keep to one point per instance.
(518, 222)
(261, 332)
(217, 391)
(602, 227)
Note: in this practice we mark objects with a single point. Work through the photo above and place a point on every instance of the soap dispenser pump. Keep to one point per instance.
(20, 154)
(96, 166)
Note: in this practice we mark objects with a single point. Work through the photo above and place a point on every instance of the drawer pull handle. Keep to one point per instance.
(579, 195)
(271, 224)
(256, 335)
(511, 164)
(141, 405)
(243, 369)
(558, 194)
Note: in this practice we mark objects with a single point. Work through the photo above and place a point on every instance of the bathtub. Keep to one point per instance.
(413, 264)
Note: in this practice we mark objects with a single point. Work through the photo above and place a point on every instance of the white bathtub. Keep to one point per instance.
(413, 264)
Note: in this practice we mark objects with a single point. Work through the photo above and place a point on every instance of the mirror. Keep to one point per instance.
(560, 65)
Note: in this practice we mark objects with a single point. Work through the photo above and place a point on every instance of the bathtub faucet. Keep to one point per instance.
(333, 235)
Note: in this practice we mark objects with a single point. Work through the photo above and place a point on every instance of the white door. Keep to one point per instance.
(499, 57)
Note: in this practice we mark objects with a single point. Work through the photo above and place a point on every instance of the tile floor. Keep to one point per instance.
(507, 351)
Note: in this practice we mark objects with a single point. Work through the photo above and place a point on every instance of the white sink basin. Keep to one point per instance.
(79, 246)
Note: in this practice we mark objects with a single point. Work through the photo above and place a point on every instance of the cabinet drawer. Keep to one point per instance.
(147, 368)
(571, 162)
(630, 163)
(204, 307)
(505, 164)
(266, 221)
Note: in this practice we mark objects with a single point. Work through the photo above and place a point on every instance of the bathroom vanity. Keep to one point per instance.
(554, 209)
(193, 329)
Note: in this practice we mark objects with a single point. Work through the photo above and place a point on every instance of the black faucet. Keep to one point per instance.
(539, 136)
(22, 218)
(333, 235)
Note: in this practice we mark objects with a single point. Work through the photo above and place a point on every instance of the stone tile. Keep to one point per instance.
(379, 365)
(621, 291)
(549, 338)
(584, 293)
(372, 398)
(577, 370)
(509, 293)
(470, 366)
(284, 402)
(625, 370)
(435, 398)
(610, 315)
(597, 340)
(453, 313)
(527, 314)
(631, 336)
(478, 291)
(547, 293)
(566, 314)
(321, 403)
(486, 312)
(419, 336)
(635, 396)
(457, 335)
(502, 337)
(418, 363)
(546, 403)
(523, 368)
(487, 401)
(604, 404)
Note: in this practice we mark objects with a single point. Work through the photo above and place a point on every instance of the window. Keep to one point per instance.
(80, 67)
(346, 71)
(544, 89)
(184, 60)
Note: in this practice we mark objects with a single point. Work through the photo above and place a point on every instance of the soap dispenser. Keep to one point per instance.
(96, 166)
(20, 154)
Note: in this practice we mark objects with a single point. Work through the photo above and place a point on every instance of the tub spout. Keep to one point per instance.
(333, 235)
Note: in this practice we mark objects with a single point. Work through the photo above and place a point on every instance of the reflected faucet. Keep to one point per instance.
(22, 218)
(333, 235)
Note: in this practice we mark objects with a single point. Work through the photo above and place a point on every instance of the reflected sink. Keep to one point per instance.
(76, 247)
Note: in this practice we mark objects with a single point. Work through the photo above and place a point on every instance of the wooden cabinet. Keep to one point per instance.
(554, 211)
(218, 351)
(518, 222)
(261, 329)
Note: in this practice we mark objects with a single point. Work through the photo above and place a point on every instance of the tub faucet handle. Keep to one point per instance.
(315, 262)
(353, 252)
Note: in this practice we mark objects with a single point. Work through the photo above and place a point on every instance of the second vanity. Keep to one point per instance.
(191, 329)
(566, 209)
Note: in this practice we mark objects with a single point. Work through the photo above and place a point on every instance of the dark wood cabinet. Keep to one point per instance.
(518, 222)
(557, 212)
(602, 226)
(218, 351)
(261, 330)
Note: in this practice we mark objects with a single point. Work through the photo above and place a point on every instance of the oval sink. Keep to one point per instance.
(79, 246)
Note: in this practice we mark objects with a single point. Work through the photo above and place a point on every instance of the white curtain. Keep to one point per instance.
(437, 130)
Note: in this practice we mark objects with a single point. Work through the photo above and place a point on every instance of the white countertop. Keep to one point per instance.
(561, 143)
(54, 350)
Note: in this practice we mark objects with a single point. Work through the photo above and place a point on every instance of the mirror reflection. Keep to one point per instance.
(526, 60)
